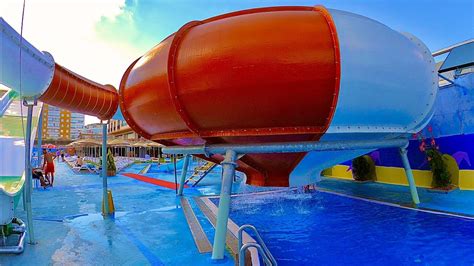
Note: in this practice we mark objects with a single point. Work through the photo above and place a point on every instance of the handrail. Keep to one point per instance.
(260, 243)
(20, 229)
(259, 248)
(449, 48)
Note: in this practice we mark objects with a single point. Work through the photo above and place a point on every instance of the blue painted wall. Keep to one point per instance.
(452, 126)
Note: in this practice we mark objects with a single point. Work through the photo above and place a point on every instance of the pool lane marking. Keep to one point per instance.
(200, 238)
(154, 181)
(152, 258)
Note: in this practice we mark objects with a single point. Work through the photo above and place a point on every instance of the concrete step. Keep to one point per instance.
(200, 238)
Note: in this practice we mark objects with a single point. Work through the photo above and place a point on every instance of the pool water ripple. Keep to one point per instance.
(327, 229)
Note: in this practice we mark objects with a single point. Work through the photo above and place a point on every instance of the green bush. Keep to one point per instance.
(110, 162)
(441, 175)
(362, 168)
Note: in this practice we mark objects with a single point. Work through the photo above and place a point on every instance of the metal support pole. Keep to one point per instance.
(28, 184)
(409, 174)
(183, 174)
(40, 138)
(228, 166)
(104, 170)
(175, 175)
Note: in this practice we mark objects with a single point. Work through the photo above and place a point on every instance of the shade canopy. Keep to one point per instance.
(84, 142)
(118, 143)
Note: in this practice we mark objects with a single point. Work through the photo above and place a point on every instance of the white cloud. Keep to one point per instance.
(67, 30)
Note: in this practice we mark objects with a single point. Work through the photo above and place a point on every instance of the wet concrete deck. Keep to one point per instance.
(149, 226)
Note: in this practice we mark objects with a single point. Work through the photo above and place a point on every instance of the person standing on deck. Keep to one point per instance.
(48, 166)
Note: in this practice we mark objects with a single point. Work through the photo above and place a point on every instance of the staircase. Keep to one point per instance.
(200, 172)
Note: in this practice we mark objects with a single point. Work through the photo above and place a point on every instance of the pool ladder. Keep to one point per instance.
(259, 246)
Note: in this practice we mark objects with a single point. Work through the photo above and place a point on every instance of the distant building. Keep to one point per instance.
(120, 129)
(91, 131)
(61, 124)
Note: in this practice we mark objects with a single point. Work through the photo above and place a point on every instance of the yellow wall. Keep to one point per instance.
(466, 179)
(340, 171)
(396, 176)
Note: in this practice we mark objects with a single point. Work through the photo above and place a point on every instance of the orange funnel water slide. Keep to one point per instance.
(281, 74)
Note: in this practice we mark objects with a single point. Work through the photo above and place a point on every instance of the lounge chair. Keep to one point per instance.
(86, 167)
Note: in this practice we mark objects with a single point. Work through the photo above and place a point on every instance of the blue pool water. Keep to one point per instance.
(327, 229)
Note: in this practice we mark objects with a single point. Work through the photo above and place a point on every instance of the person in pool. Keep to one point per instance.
(48, 166)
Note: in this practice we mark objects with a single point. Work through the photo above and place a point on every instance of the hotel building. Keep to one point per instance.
(61, 124)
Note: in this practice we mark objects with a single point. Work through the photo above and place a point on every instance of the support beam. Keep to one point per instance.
(409, 174)
(287, 147)
(39, 135)
(228, 166)
(183, 174)
(105, 197)
(28, 175)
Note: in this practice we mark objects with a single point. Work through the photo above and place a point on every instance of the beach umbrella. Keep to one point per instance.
(48, 146)
(139, 144)
(153, 144)
(85, 142)
(119, 143)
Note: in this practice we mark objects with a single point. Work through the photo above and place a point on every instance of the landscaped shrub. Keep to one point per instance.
(111, 168)
(362, 168)
(441, 176)
(110, 162)
(439, 168)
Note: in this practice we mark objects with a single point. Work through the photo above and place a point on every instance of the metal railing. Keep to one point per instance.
(19, 228)
(449, 77)
(449, 48)
(259, 246)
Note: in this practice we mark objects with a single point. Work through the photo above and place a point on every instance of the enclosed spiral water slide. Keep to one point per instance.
(35, 76)
(282, 92)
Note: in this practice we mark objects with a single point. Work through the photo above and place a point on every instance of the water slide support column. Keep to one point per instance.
(228, 166)
(183, 174)
(409, 174)
(105, 197)
(40, 138)
(28, 182)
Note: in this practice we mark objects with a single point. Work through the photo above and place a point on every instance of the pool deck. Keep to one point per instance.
(457, 202)
(149, 227)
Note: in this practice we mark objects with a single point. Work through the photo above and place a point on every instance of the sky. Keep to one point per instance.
(99, 39)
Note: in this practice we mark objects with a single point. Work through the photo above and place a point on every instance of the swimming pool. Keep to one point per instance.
(328, 229)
